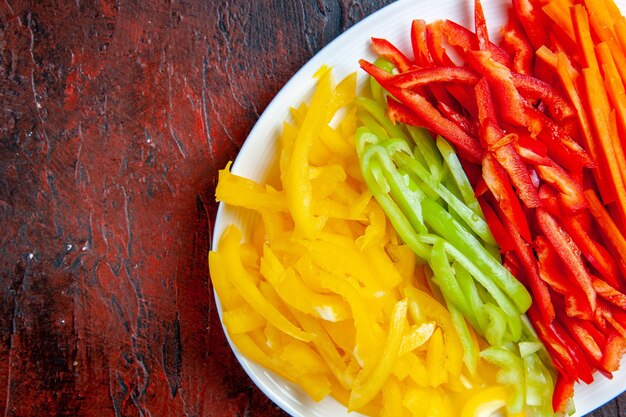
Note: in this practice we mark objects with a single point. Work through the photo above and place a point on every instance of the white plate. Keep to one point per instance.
(393, 23)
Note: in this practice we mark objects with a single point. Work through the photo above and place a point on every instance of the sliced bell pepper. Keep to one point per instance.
(496, 179)
(568, 252)
(518, 46)
(430, 117)
(466, 41)
(385, 49)
(563, 393)
(497, 142)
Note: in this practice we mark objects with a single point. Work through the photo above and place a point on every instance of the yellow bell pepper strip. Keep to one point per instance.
(229, 248)
(392, 399)
(367, 330)
(366, 389)
(424, 307)
(242, 319)
(485, 402)
(324, 104)
(416, 337)
(240, 191)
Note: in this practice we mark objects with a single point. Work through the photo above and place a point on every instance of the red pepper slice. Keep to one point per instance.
(387, 50)
(591, 341)
(495, 140)
(609, 293)
(498, 183)
(563, 392)
(613, 352)
(551, 271)
(419, 44)
(561, 357)
(518, 46)
(561, 148)
(533, 280)
(435, 37)
(508, 100)
(570, 191)
(568, 252)
(534, 88)
(534, 22)
(577, 226)
(462, 121)
(429, 115)
(499, 231)
(465, 41)
(427, 76)
(480, 26)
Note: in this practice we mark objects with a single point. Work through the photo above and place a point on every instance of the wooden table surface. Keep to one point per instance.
(115, 117)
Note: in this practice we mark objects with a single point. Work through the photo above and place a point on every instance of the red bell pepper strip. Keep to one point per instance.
(537, 286)
(464, 41)
(495, 140)
(609, 293)
(551, 272)
(480, 27)
(594, 252)
(568, 252)
(560, 355)
(534, 22)
(506, 97)
(518, 46)
(563, 392)
(500, 233)
(570, 191)
(613, 315)
(435, 45)
(419, 44)
(462, 121)
(429, 115)
(561, 148)
(427, 76)
(586, 339)
(387, 50)
(496, 179)
(534, 88)
(613, 352)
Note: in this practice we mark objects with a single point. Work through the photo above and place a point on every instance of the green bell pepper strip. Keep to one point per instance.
(475, 222)
(426, 146)
(378, 113)
(511, 373)
(494, 323)
(379, 94)
(407, 198)
(442, 223)
(458, 174)
(444, 277)
(470, 348)
(513, 315)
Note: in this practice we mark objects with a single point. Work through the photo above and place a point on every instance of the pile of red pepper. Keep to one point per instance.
(533, 136)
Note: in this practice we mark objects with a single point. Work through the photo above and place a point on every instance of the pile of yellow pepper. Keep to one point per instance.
(325, 294)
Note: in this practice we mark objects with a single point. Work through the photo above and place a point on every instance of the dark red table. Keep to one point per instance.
(115, 117)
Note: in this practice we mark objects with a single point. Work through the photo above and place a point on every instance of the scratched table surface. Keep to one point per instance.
(115, 117)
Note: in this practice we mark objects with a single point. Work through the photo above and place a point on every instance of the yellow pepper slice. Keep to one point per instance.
(239, 191)
(369, 384)
(229, 248)
(485, 402)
